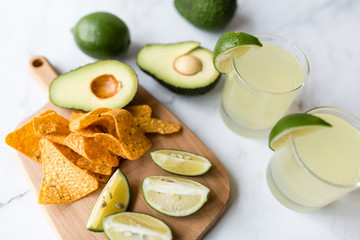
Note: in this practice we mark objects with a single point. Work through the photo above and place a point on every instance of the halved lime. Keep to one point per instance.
(114, 198)
(130, 225)
(294, 125)
(180, 162)
(174, 196)
(232, 44)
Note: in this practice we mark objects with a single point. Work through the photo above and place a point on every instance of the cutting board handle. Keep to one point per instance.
(42, 71)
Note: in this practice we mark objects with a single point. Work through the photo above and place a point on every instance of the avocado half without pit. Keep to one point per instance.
(110, 84)
(184, 68)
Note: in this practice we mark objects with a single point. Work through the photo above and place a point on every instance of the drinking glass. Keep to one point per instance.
(318, 167)
(262, 84)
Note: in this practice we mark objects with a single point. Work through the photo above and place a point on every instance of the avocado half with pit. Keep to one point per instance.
(184, 68)
(109, 84)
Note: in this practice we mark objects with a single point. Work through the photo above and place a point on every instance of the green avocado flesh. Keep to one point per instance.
(109, 84)
(158, 61)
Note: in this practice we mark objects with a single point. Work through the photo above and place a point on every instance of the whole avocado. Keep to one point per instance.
(102, 35)
(207, 14)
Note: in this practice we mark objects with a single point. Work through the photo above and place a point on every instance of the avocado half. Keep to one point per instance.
(109, 84)
(184, 68)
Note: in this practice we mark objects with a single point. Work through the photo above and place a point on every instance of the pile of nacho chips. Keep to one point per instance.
(76, 154)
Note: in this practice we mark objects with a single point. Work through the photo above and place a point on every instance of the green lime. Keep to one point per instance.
(180, 162)
(205, 14)
(102, 35)
(293, 125)
(232, 44)
(130, 225)
(114, 198)
(174, 196)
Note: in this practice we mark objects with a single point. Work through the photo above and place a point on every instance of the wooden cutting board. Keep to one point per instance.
(69, 220)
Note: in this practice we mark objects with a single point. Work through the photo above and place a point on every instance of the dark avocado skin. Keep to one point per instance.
(102, 35)
(207, 14)
(185, 91)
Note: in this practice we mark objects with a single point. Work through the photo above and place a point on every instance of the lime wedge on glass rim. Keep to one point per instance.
(293, 125)
(174, 196)
(114, 198)
(131, 225)
(180, 162)
(232, 44)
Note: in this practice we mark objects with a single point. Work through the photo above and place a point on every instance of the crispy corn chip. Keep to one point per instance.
(51, 126)
(154, 125)
(71, 155)
(78, 160)
(93, 166)
(80, 120)
(118, 123)
(133, 142)
(110, 143)
(63, 182)
(99, 177)
(25, 141)
(88, 148)
(143, 111)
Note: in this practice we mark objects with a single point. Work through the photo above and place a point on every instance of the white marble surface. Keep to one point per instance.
(327, 31)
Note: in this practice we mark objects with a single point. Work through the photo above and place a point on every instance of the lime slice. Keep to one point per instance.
(293, 125)
(180, 162)
(114, 198)
(232, 44)
(174, 196)
(130, 225)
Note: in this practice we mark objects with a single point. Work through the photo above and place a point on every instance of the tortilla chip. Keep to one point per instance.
(63, 182)
(154, 125)
(93, 167)
(133, 141)
(51, 126)
(71, 155)
(90, 149)
(99, 177)
(110, 143)
(84, 164)
(25, 141)
(143, 111)
(76, 114)
(80, 120)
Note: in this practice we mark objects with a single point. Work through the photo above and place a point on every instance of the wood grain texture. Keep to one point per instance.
(69, 220)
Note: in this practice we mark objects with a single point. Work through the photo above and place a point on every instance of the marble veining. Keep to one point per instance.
(17, 197)
(326, 30)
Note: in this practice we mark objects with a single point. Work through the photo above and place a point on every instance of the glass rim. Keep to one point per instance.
(293, 45)
(298, 158)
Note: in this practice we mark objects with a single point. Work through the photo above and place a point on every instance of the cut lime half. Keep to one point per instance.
(114, 198)
(130, 225)
(293, 125)
(232, 44)
(180, 162)
(174, 196)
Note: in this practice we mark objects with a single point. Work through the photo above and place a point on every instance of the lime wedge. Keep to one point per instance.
(293, 125)
(180, 162)
(114, 198)
(130, 225)
(174, 196)
(232, 44)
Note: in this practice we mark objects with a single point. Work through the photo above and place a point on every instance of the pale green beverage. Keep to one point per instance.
(315, 169)
(262, 85)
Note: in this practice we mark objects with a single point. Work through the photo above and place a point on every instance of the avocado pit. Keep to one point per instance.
(105, 86)
(187, 65)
